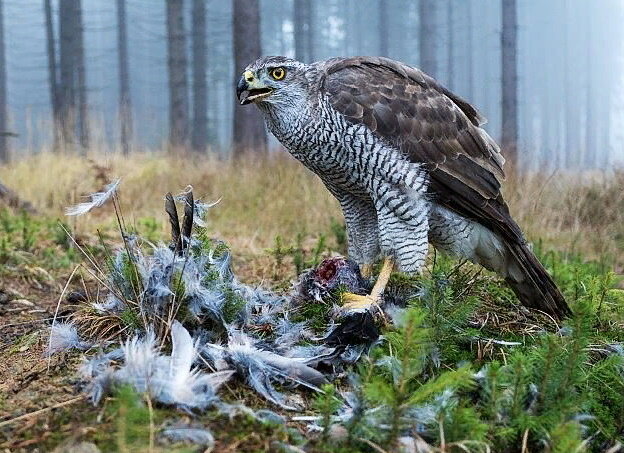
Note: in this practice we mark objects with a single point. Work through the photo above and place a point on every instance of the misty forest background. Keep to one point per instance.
(147, 74)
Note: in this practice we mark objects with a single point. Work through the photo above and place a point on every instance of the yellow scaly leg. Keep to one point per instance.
(355, 301)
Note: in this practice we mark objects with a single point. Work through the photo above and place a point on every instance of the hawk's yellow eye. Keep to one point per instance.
(278, 73)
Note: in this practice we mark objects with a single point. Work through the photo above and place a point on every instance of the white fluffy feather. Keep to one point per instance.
(64, 336)
(97, 200)
(169, 379)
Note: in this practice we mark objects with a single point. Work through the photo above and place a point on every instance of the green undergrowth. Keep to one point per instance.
(552, 389)
(27, 240)
(463, 368)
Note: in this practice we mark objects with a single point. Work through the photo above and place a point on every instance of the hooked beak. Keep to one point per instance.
(249, 89)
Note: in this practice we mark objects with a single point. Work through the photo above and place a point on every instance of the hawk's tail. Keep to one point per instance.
(531, 282)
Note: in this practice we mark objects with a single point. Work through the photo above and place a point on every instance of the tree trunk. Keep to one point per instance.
(81, 77)
(509, 71)
(249, 133)
(67, 90)
(311, 14)
(14, 201)
(427, 36)
(125, 102)
(450, 46)
(4, 143)
(384, 30)
(302, 11)
(470, 92)
(200, 92)
(52, 73)
(178, 83)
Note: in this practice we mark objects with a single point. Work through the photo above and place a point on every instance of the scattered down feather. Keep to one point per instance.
(261, 368)
(98, 374)
(189, 434)
(261, 415)
(64, 336)
(112, 304)
(222, 264)
(200, 210)
(168, 379)
(97, 200)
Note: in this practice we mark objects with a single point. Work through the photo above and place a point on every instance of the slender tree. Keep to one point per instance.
(177, 68)
(450, 45)
(312, 25)
(249, 133)
(470, 80)
(302, 15)
(384, 30)
(571, 72)
(125, 102)
(200, 93)
(52, 72)
(509, 71)
(81, 77)
(591, 122)
(4, 145)
(428, 15)
(67, 91)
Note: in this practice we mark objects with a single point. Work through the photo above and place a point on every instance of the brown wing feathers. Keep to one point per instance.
(432, 126)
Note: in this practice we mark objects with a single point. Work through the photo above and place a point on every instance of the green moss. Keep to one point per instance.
(25, 342)
(234, 304)
(315, 314)
(131, 318)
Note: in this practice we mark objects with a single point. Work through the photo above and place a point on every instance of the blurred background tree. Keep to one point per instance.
(144, 74)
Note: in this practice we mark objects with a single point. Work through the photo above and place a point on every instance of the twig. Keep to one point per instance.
(525, 439)
(41, 411)
(151, 422)
(373, 445)
(442, 438)
(56, 313)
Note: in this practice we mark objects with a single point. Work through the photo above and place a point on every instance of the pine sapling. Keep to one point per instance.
(327, 404)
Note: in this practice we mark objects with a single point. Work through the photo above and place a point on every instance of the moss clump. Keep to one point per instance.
(234, 304)
(315, 314)
(130, 318)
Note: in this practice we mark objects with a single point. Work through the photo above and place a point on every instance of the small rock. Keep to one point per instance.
(338, 433)
(78, 447)
(23, 302)
(286, 448)
(76, 297)
(4, 297)
(407, 445)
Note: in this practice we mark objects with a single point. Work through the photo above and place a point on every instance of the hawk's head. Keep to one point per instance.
(273, 80)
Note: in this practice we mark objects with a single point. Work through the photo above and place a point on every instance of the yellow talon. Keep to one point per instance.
(352, 301)
(366, 270)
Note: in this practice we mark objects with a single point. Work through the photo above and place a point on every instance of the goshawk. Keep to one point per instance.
(407, 160)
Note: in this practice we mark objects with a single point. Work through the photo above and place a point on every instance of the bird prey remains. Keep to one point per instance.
(408, 162)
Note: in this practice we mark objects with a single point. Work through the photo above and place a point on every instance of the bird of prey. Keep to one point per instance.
(407, 160)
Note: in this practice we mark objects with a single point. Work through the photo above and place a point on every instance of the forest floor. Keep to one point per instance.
(576, 224)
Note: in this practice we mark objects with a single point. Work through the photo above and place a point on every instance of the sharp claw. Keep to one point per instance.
(357, 301)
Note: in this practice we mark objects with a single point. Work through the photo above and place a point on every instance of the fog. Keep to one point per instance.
(570, 90)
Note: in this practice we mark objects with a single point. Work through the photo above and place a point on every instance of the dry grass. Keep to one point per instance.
(263, 198)
(260, 198)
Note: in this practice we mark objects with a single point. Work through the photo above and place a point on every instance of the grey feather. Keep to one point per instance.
(168, 379)
(64, 336)
(189, 434)
(97, 200)
(200, 212)
(262, 368)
